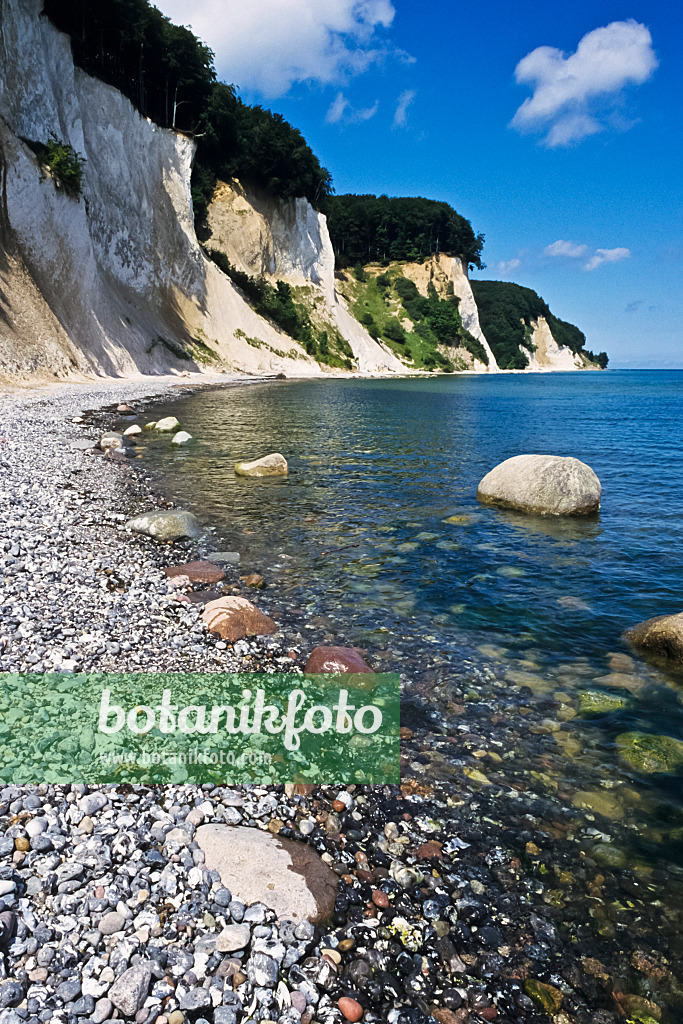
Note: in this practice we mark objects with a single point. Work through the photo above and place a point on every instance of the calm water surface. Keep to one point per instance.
(378, 533)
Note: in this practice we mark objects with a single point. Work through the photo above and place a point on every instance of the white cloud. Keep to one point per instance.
(562, 248)
(567, 89)
(607, 256)
(341, 110)
(401, 114)
(267, 45)
(505, 266)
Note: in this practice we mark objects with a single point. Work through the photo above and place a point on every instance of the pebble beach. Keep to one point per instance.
(463, 895)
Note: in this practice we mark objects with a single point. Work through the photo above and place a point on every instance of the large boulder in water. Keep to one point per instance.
(661, 636)
(166, 525)
(542, 485)
(269, 465)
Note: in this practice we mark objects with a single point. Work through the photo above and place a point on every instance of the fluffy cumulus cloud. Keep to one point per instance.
(341, 111)
(607, 256)
(401, 113)
(572, 92)
(268, 45)
(576, 251)
(562, 248)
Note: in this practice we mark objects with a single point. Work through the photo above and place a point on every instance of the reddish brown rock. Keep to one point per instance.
(335, 661)
(233, 618)
(352, 1010)
(253, 580)
(380, 899)
(430, 850)
(196, 572)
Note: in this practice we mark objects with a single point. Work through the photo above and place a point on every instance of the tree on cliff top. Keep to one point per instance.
(168, 74)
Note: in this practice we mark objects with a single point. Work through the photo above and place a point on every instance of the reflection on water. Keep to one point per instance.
(377, 535)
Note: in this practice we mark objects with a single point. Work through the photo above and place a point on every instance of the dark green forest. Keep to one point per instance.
(366, 229)
(169, 75)
(505, 314)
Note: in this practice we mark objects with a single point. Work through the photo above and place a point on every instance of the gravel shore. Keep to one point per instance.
(453, 902)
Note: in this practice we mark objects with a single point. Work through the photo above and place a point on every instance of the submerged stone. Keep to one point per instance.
(546, 997)
(596, 702)
(542, 485)
(647, 753)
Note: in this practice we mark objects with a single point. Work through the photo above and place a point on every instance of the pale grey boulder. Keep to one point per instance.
(166, 525)
(182, 437)
(166, 424)
(542, 485)
(269, 465)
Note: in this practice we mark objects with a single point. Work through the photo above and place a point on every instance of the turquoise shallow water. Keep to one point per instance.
(359, 533)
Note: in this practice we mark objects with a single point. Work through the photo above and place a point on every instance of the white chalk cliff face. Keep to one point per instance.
(447, 274)
(289, 241)
(114, 282)
(548, 354)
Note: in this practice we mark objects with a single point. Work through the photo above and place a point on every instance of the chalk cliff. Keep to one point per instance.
(114, 281)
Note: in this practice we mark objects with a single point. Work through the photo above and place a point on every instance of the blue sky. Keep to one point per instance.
(579, 198)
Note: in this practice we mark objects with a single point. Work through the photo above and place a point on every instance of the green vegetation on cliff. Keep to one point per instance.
(505, 314)
(280, 304)
(415, 327)
(62, 161)
(366, 229)
(168, 74)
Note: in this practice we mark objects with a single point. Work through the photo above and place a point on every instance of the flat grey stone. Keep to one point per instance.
(259, 867)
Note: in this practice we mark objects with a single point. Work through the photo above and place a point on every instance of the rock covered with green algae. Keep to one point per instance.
(597, 702)
(545, 996)
(645, 752)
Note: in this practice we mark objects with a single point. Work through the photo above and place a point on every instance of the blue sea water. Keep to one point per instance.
(377, 529)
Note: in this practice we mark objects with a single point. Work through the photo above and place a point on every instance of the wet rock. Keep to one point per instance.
(542, 485)
(647, 753)
(132, 430)
(661, 637)
(224, 557)
(233, 618)
(546, 997)
(112, 440)
(335, 660)
(597, 702)
(167, 424)
(196, 572)
(259, 867)
(166, 525)
(269, 465)
(253, 580)
(182, 437)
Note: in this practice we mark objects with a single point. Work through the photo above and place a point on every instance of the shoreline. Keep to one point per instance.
(82, 576)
